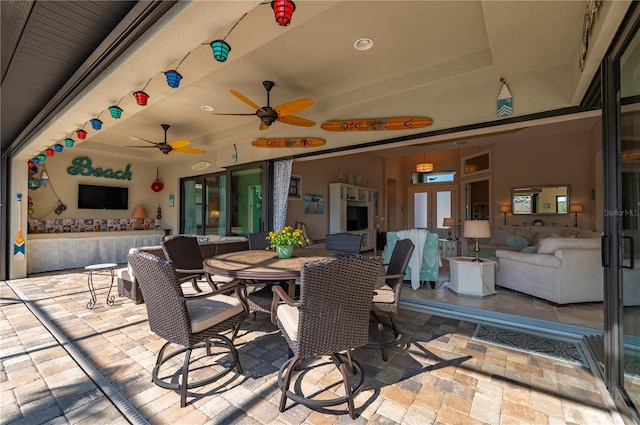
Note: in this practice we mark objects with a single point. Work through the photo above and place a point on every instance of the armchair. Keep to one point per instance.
(332, 316)
(191, 322)
(425, 261)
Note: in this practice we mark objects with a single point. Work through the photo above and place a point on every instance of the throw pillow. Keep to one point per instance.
(516, 241)
(499, 235)
(530, 249)
(525, 234)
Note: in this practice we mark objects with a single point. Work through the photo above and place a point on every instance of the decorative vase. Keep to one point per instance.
(284, 251)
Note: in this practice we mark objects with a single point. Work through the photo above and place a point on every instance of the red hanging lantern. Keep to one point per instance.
(283, 10)
(81, 134)
(141, 98)
(157, 185)
(49, 152)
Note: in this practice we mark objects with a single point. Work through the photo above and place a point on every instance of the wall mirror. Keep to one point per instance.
(549, 199)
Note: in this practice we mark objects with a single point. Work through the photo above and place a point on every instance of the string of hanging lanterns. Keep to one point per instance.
(283, 12)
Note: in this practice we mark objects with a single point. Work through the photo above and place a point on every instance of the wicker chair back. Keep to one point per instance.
(184, 252)
(399, 261)
(258, 241)
(344, 242)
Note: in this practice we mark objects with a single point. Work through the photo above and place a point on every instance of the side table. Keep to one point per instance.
(469, 277)
(98, 269)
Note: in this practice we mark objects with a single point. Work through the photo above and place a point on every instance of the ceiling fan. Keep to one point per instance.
(268, 115)
(170, 147)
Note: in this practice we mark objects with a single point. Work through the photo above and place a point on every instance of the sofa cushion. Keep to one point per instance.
(499, 235)
(530, 249)
(517, 241)
(529, 236)
(550, 245)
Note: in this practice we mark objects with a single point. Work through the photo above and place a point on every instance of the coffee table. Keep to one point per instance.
(469, 277)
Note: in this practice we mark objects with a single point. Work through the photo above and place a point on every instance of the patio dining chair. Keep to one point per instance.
(386, 296)
(331, 317)
(344, 242)
(189, 321)
(259, 294)
(184, 253)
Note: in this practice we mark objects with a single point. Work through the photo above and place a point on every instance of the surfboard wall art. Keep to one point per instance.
(377, 124)
(291, 142)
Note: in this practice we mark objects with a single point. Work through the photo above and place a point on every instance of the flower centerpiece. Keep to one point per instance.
(285, 240)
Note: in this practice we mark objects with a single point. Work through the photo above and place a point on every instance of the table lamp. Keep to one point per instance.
(576, 208)
(449, 222)
(477, 229)
(505, 209)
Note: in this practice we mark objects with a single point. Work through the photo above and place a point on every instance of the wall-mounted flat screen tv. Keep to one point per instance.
(103, 197)
(357, 218)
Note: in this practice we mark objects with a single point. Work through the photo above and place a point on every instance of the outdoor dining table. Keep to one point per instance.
(264, 265)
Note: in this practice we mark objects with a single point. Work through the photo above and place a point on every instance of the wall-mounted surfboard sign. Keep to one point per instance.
(291, 142)
(377, 124)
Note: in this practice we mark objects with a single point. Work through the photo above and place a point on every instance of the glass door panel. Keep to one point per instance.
(429, 206)
(191, 203)
(246, 202)
(216, 205)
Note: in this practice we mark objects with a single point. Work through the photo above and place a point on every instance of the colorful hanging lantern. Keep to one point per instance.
(173, 78)
(58, 147)
(157, 185)
(283, 11)
(116, 111)
(69, 142)
(49, 152)
(30, 164)
(34, 169)
(220, 49)
(42, 157)
(81, 134)
(96, 124)
(35, 160)
(141, 97)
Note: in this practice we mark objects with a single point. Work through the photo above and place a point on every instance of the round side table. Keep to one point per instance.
(98, 269)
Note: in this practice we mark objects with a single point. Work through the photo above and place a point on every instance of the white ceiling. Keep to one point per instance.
(441, 60)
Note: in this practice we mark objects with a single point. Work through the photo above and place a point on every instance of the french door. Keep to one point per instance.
(430, 205)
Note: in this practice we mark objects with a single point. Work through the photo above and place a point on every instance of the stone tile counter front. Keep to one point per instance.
(59, 251)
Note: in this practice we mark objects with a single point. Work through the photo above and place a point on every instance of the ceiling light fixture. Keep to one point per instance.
(220, 48)
(115, 111)
(141, 97)
(363, 44)
(173, 76)
(81, 134)
(96, 124)
(424, 167)
(206, 108)
(68, 142)
(283, 11)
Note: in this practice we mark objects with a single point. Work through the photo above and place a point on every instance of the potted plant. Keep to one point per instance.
(285, 240)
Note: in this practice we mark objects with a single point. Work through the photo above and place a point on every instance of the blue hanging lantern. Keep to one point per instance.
(173, 78)
(35, 160)
(69, 142)
(116, 111)
(220, 49)
(96, 124)
(58, 147)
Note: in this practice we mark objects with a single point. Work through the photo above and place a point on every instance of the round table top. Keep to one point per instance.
(263, 264)
(101, 266)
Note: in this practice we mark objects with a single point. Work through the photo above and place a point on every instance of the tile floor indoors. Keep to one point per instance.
(93, 367)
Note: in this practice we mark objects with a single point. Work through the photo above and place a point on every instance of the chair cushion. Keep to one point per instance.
(289, 317)
(204, 313)
(384, 294)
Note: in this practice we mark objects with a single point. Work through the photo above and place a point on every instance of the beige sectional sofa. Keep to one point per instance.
(210, 245)
(562, 271)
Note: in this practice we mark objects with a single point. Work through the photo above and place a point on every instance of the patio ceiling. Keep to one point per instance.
(441, 60)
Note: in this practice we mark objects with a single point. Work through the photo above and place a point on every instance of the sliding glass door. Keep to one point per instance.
(204, 205)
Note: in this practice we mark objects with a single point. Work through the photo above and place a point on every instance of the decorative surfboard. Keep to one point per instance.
(378, 124)
(293, 142)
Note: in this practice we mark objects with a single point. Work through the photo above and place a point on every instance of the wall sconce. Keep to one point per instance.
(477, 229)
(576, 208)
(505, 209)
(449, 222)
(283, 11)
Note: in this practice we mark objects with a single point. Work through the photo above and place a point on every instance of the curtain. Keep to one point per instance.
(281, 181)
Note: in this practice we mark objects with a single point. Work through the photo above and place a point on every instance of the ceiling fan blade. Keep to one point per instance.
(238, 115)
(140, 147)
(263, 126)
(293, 106)
(293, 120)
(176, 144)
(142, 140)
(245, 99)
(189, 150)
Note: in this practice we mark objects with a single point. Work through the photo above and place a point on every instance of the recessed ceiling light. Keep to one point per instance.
(206, 108)
(363, 44)
(200, 165)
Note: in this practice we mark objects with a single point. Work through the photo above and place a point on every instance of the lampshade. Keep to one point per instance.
(424, 167)
(283, 11)
(173, 78)
(96, 124)
(139, 212)
(68, 142)
(477, 229)
(505, 209)
(141, 97)
(116, 111)
(576, 208)
(220, 50)
(449, 222)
